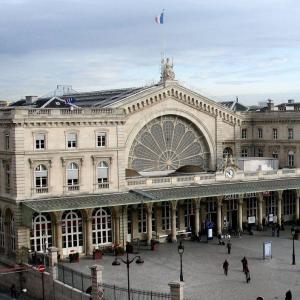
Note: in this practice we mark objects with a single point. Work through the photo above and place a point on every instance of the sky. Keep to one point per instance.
(221, 49)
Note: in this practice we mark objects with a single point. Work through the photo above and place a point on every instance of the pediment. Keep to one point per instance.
(175, 91)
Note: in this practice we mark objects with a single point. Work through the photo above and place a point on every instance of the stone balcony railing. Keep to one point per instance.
(20, 112)
(205, 178)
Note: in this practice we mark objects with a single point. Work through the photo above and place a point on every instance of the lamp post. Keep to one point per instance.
(180, 252)
(127, 262)
(293, 255)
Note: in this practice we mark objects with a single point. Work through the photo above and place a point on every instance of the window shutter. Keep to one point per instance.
(73, 174)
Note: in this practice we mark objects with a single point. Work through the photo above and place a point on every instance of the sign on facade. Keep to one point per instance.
(251, 220)
(209, 233)
(267, 250)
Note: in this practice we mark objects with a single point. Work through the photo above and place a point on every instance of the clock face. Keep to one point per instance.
(229, 173)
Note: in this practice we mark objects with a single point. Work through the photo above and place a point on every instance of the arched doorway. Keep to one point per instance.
(227, 152)
(72, 232)
(41, 232)
(101, 226)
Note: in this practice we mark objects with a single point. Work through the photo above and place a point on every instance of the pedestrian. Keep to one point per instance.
(225, 267)
(278, 230)
(244, 263)
(288, 295)
(13, 292)
(247, 273)
(228, 247)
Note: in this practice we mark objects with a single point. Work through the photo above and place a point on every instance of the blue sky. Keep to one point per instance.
(221, 49)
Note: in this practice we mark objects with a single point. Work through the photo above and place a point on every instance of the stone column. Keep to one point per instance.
(241, 213)
(176, 290)
(174, 206)
(279, 202)
(219, 215)
(97, 289)
(116, 216)
(58, 236)
(53, 261)
(297, 206)
(149, 222)
(197, 215)
(88, 236)
(260, 198)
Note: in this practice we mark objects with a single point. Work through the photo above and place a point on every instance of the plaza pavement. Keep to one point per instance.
(203, 273)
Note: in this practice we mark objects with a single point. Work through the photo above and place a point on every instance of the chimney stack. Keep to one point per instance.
(30, 99)
(270, 105)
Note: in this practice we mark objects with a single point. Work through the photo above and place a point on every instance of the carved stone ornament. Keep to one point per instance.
(167, 72)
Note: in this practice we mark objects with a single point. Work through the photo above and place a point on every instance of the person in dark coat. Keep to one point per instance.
(278, 230)
(244, 263)
(225, 267)
(13, 292)
(228, 247)
(288, 295)
(247, 273)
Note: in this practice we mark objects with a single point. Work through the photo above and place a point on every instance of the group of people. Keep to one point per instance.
(245, 268)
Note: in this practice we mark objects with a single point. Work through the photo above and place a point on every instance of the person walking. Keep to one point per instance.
(225, 267)
(244, 263)
(228, 247)
(13, 292)
(288, 295)
(278, 230)
(247, 273)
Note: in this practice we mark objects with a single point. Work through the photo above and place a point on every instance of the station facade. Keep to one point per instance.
(140, 163)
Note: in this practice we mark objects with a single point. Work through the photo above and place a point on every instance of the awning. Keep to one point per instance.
(139, 196)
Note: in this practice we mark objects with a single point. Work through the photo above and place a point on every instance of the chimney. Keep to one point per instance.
(270, 105)
(30, 99)
(291, 101)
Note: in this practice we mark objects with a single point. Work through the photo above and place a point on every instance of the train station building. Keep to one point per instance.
(88, 170)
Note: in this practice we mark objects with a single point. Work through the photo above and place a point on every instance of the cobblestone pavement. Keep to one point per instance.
(203, 273)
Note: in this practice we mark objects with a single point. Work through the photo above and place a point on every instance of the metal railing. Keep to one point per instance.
(83, 282)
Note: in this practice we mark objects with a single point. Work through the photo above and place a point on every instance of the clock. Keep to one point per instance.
(229, 173)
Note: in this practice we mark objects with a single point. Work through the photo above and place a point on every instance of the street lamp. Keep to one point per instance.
(293, 255)
(180, 252)
(127, 262)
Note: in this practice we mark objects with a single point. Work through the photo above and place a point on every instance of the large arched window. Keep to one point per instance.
(41, 179)
(73, 177)
(72, 231)
(188, 213)
(167, 216)
(41, 232)
(101, 226)
(2, 230)
(102, 175)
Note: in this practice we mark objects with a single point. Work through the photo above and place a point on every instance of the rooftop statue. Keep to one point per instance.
(167, 72)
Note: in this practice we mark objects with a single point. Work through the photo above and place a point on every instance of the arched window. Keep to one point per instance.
(73, 177)
(101, 227)
(72, 231)
(1, 230)
(102, 175)
(41, 179)
(291, 159)
(41, 232)
(227, 152)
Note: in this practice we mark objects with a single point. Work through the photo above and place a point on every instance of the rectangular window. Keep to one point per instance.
(289, 203)
(260, 152)
(275, 154)
(291, 159)
(40, 141)
(290, 133)
(142, 218)
(6, 142)
(101, 139)
(244, 133)
(260, 133)
(72, 140)
(275, 133)
(244, 152)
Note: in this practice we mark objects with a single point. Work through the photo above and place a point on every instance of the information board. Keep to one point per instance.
(267, 250)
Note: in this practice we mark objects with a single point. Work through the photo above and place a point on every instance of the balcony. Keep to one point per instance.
(103, 185)
(72, 188)
(40, 190)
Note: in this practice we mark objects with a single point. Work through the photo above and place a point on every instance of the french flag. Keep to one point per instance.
(160, 19)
